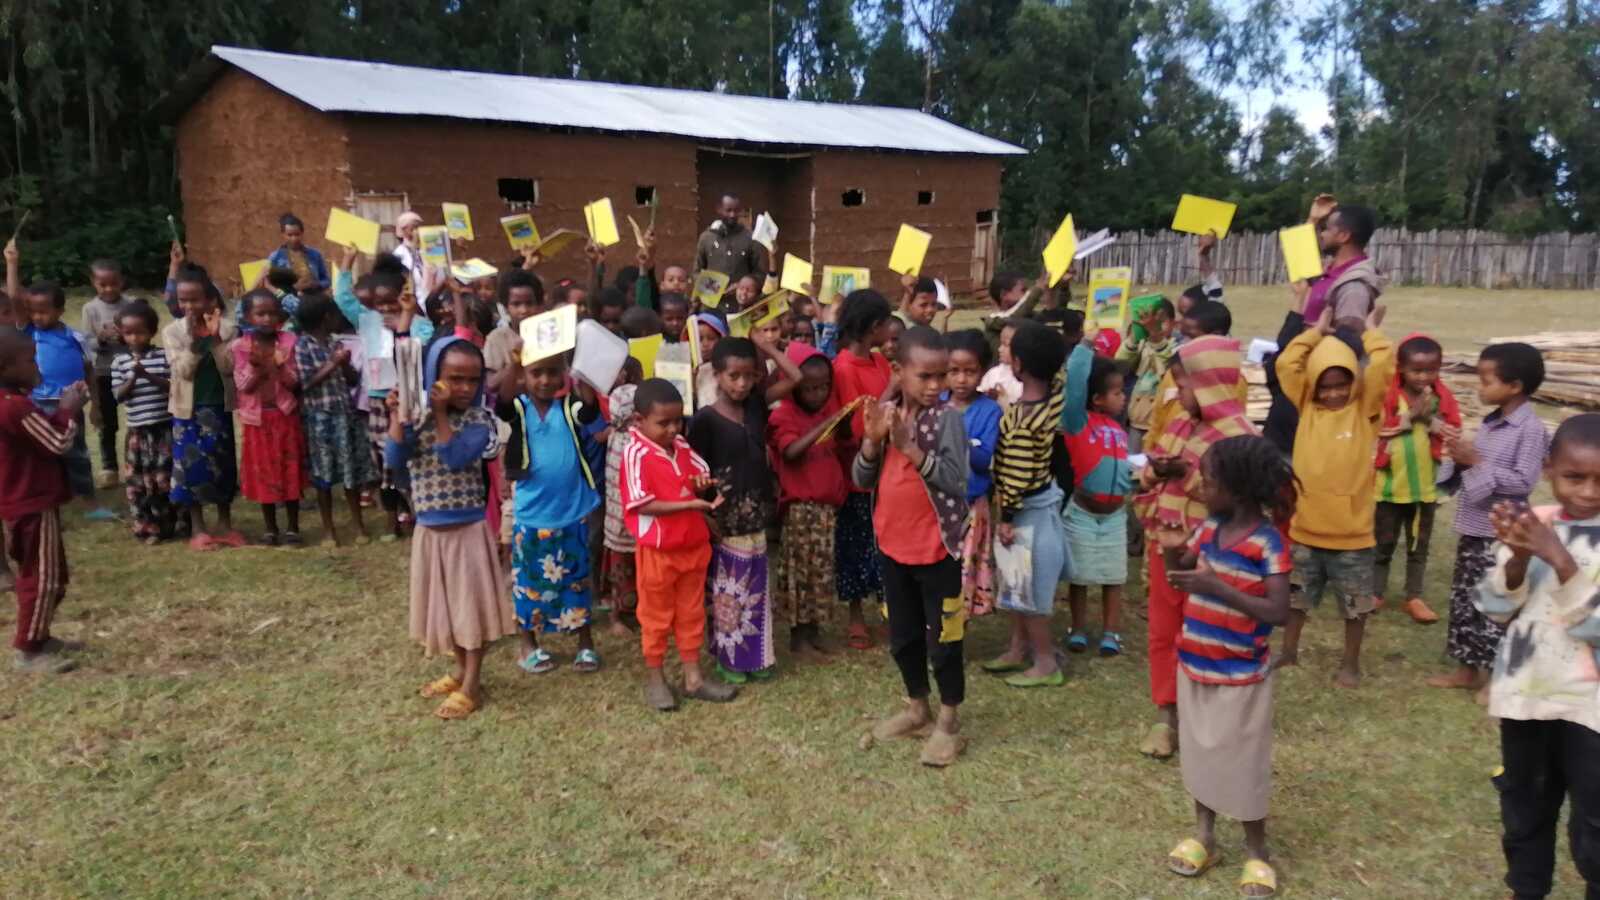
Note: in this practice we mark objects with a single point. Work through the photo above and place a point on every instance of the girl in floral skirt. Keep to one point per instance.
(969, 360)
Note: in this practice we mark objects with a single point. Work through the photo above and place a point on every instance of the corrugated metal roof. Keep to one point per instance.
(342, 85)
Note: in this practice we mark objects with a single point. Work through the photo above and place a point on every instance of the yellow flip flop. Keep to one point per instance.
(1257, 873)
(443, 687)
(1192, 854)
(456, 706)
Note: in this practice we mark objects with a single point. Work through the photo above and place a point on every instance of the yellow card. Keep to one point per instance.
(349, 230)
(1301, 255)
(458, 219)
(910, 247)
(602, 222)
(739, 324)
(549, 333)
(1058, 253)
(520, 231)
(472, 270)
(839, 281)
(681, 375)
(1108, 296)
(709, 287)
(796, 275)
(693, 329)
(775, 309)
(251, 273)
(433, 241)
(1202, 215)
(557, 242)
(645, 350)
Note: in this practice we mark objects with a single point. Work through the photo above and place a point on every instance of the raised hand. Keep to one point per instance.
(876, 421)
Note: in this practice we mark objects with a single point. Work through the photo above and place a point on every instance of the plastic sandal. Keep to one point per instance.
(587, 661)
(100, 514)
(1000, 666)
(859, 638)
(442, 687)
(202, 542)
(538, 662)
(1190, 859)
(1161, 742)
(231, 539)
(730, 676)
(1054, 679)
(763, 674)
(1257, 873)
(456, 706)
(1111, 644)
(1077, 641)
(292, 539)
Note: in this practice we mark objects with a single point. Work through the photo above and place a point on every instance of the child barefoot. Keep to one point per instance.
(1234, 571)
(662, 483)
(980, 415)
(272, 461)
(336, 438)
(204, 462)
(458, 590)
(1542, 590)
(140, 381)
(618, 575)
(913, 458)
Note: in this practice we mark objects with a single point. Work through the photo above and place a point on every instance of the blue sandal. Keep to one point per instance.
(1077, 641)
(538, 662)
(586, 661)
(1111, 644)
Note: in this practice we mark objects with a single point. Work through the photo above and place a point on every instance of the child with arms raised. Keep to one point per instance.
(1542, 589)
(458, 591)
(1149, 356)
(1097, 512)
(1420, 416)
(1502, 462)
(1234, 575)
(336, 439)
(980, 415)
(664, 488)
(1339, 401)
(202, 398)
(141, 381)
(811, 488)
(913, 458)
(1029, 464)
(272, 461)
(32, 491)
(731, 436)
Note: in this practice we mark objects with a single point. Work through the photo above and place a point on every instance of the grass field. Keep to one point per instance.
(246, 723)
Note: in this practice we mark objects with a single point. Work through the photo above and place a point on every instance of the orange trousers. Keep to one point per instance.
(1166, 624)
(672, 601)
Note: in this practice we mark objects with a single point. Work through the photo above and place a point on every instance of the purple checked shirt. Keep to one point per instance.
(1511, 452)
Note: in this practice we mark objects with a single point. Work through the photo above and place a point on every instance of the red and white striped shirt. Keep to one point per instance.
(650, 472)
(32, 477)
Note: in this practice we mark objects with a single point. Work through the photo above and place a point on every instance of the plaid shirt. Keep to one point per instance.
(1511, 451)
(333, 394)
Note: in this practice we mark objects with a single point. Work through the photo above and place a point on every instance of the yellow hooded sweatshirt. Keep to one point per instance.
(1334, 448)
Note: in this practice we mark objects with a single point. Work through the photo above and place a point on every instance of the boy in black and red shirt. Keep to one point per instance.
(33, 487)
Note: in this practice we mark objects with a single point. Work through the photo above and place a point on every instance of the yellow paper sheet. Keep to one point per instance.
(1108, 296)
(1301, 254)
(520, 231)
(554, 243)
(776, 308)
(1058, 253)
(796, 275)
(458, 219)
(681, 375)
(910, 248)
(434, 243)
(251, 273)
(549, 333)
(839, 281)
(645, 350)
(602, 222)
(1202, 215)
(709, 287)
(692, 329)
(349, 230)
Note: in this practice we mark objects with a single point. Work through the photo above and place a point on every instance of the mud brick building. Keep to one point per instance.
(262, 133)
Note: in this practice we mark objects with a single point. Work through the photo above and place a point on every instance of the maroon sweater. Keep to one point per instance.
(32, 477)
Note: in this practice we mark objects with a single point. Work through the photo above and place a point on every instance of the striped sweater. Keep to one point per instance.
(1026, 458)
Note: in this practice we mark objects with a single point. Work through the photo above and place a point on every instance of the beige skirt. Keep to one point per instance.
(459, 596)
(1225, 742)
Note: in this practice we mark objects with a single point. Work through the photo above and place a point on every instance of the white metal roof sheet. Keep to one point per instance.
(342, 85)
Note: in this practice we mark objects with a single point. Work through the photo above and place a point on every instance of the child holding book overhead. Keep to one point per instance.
(1542, 590)
(1502, 462)
(272, 460)
(141, 381)
(458, 590)
(1097, 512)
(864, 323)
(980, 415)
(913, 458)
(1029, 461)
(731, 436)
(1149, 355)
(1420, 415)
(803, 436)
(202, 398)
(665, 488)
(336, 438)
(1339, 400)
(1233, 573)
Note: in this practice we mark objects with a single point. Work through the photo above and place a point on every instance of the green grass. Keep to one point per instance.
(246, 724)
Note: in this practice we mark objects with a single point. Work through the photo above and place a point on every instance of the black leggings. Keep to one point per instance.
(927, 621)
(105, 401)
(1545, 763)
